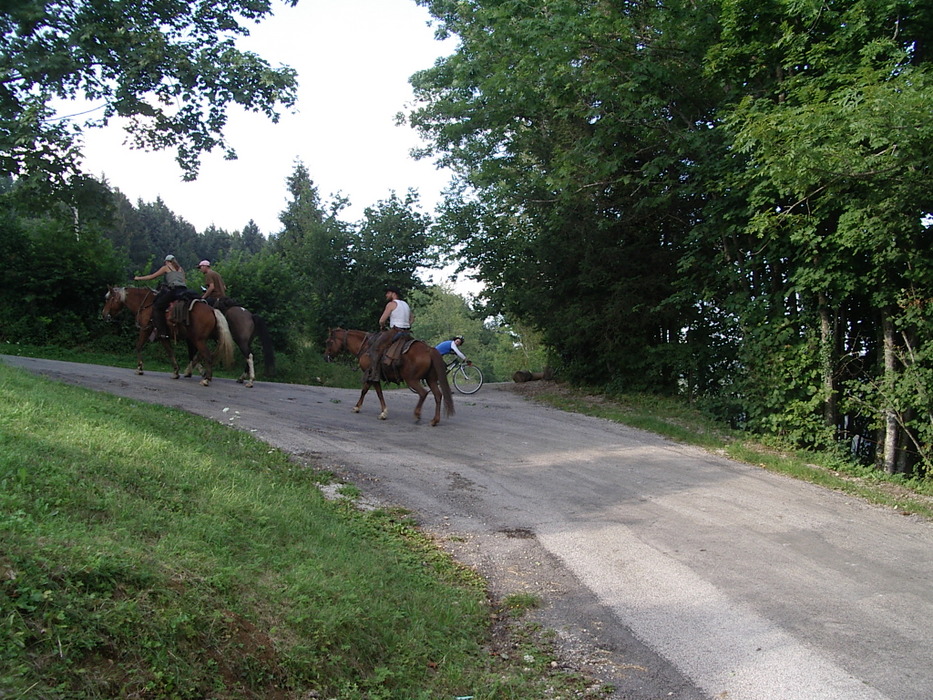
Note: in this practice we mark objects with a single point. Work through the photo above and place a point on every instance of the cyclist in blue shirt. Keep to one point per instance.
(452, 346)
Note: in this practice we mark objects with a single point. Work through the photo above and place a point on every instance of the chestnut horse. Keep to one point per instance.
(244, 326)
(203, 323)
(420, 361)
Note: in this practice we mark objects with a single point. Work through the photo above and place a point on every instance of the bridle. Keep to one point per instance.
(345, 344)
(143, 307)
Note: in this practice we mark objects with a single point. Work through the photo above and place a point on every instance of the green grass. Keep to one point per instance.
(304, 366)
(672, 419)
(146, 552)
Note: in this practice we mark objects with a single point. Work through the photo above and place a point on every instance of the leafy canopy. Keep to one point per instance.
(170, 68)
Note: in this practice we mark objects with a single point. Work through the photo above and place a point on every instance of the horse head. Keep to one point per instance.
(335, 343)
(114, 301)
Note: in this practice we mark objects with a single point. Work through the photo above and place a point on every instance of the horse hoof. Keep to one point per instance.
(139, 371)
(383, 416)
(239, 381)
(355, 409)
(249, 385)
(205, 382)
(434, 422)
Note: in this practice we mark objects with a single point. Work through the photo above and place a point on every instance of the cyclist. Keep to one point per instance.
(452, 346)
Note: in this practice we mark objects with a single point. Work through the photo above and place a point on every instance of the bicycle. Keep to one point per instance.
(466, 377)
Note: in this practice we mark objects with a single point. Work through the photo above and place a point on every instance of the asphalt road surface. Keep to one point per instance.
(666, 571)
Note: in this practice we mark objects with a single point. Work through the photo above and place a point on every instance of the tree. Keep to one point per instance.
(834, 121)
(314, 245)
(717, 197)
(171, 69)
(214, 244)
(165, 232)
(59, 267)
(392, 244)
(497, 347)
(250, 240)
(576, 129)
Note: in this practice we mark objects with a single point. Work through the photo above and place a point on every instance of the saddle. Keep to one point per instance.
(223, 304)
(386, 367)
(393, 354)
(178, 311)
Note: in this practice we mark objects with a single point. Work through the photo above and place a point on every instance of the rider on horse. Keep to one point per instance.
(215, 289)
(175, 286)
(399, 316)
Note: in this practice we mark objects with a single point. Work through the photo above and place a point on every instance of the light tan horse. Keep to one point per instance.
(420, 361)
(203, 323)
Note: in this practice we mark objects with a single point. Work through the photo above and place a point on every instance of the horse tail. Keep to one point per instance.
(225, 343)
(268, 351)
(440, 369)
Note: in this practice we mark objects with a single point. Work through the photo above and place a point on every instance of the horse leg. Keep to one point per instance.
(415, 386)
(140, 344)
(192, 355)
(436, 390)
(170, 351)
(384, 413)
(205, 353)
(249, 373)
(251, 368)
(359, 404)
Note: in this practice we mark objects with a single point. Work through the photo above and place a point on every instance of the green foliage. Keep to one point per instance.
(58, 271)
(573, 233)
(341, 270)
(170, 69)
(314, 246)
(497, 347)
(392, 245)
(721, 199)
(264, 284)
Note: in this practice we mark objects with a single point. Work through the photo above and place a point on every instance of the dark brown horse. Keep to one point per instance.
(244, 326)
(203, 323)
(420, 361)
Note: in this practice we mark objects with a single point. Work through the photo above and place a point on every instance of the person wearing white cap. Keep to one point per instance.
(175, 286)
(214, 284)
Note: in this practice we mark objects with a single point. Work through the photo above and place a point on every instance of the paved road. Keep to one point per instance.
(668, 572)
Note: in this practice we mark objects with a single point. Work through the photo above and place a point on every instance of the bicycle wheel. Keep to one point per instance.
(468, 379)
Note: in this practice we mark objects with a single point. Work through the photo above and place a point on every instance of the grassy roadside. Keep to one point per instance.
(306, 367)
(145, 552)
(678, 422)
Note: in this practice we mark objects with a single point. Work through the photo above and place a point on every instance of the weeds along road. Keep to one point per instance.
(666, 571)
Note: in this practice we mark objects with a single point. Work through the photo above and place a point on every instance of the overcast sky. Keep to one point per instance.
(353, 58)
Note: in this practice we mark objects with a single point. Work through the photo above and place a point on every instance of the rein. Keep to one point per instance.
(363, 343)
(359, 353)
(143, 306)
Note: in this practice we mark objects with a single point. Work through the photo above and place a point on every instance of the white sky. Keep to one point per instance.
(353, 58)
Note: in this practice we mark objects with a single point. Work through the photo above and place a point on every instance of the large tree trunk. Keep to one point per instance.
(889, 461)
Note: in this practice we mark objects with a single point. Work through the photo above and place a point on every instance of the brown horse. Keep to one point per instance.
(244, 326)
(420, 361)
(203, 323)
